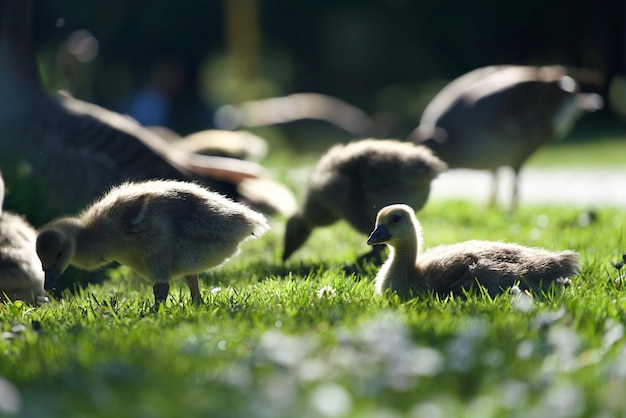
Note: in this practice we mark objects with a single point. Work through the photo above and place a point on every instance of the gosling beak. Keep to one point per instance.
(379, 235)
(50, 279)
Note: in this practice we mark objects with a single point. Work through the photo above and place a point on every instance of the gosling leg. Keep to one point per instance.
(515, 196)
(161, 290)
(493, 199)
(192, 282)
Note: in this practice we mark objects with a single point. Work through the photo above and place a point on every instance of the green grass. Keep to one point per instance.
(584, 148)
(309, 339)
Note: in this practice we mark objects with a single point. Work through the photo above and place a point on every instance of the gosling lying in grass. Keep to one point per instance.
(353, 181)
(460, 267)
(21, 277)
(161, 229)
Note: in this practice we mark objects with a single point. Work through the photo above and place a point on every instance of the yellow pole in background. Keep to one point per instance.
(241, 21)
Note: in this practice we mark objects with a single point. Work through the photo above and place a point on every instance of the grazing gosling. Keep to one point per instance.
(21, 277)
(354, 181)
(162, 229)
(459, 267)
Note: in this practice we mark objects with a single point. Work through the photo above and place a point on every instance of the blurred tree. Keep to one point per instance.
(353, 49)
(243, 45)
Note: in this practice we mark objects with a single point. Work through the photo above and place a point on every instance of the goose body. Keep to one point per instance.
(299, 106)
(236, 144)
(460, 267)
(353, 181)
(21, 277)
(500, 115)
(161, 229)
(78, 149)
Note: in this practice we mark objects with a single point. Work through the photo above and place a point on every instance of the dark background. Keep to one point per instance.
(381, 55)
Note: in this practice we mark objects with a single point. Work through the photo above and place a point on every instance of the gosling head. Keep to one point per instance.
(395, 223)
(296, 233)
(55, 250)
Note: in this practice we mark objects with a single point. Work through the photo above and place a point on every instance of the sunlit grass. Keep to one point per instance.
(605, 151)
(310, 338)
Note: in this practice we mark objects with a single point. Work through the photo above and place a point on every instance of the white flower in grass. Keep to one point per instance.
(521, 299)
(326, 292)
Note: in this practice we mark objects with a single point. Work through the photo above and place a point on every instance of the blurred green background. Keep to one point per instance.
(385, 56)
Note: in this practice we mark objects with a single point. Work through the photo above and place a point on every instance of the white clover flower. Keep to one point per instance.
(326, 292)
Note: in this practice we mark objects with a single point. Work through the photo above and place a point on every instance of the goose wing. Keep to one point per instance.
(79, 150)
(298, 106)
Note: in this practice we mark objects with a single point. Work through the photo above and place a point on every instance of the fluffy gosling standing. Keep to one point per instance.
(459, 267)
(162, 229)
(354, 181)
(21, 277)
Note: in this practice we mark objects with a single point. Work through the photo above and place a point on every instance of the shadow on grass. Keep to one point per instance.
(365, 267)
(263, 270)
(73, 280)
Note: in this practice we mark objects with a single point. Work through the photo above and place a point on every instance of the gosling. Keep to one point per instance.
(162, 229)
(353, 181)
(457, 268)
(21, 277)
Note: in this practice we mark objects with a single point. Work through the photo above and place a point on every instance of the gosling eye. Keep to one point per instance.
(395, 219)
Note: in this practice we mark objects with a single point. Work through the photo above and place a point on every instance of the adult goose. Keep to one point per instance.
(500, 115)
(77, 150)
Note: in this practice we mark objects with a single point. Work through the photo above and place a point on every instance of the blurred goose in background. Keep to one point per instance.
(353, 181)
(264, 194)
(500, 115)
(161, 229)
(21, 277)
(234, 144)
(77, 150)
(456, 268)
(299, 106)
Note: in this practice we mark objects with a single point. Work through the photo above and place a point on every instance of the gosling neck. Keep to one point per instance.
(399, 271)
(404, 255)
(93, 243)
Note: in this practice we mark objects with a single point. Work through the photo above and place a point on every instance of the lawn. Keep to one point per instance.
(598, 142)
(309, 338)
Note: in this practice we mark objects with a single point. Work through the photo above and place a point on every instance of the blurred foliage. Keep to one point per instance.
(381, 55)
